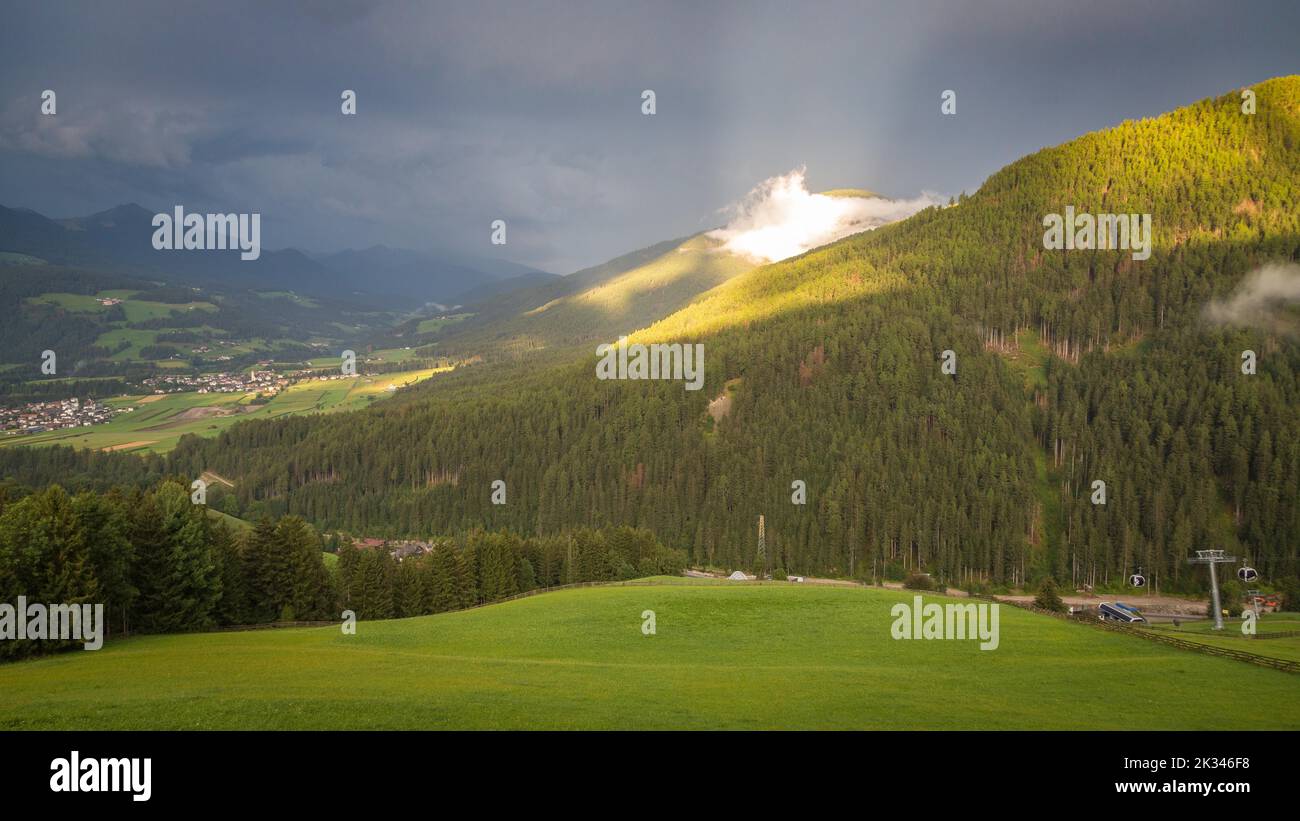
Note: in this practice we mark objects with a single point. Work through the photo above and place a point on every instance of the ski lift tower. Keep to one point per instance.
(1212, 558)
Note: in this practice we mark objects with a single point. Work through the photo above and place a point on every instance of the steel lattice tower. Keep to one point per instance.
(1214, 558)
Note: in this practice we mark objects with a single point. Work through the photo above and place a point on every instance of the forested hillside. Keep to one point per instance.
(1072, 367)
(47, 307)
(594, 304)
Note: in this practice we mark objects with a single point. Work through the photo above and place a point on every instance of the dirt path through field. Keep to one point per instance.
(129, 445)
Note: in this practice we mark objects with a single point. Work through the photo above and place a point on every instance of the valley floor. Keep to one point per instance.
(734, 655)
(156, 422)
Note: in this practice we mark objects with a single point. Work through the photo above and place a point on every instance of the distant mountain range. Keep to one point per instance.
(119, 240)
(595, 304)
(444, 277)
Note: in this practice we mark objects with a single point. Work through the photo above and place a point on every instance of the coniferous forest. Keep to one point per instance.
(160, 564)
(1072, 367)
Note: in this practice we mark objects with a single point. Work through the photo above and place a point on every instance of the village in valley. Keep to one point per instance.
(266, 382)
(38, 417)
(29, 418)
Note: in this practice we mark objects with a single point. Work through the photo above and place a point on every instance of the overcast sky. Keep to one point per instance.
(531, 112)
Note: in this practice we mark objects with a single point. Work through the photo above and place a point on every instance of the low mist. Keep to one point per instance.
(1261, 300)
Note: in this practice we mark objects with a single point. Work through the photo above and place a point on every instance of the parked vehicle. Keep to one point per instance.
(1118, 611)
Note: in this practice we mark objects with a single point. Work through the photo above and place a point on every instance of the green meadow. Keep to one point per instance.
(297, 299)
(733, 656)
(383, 355)
(428, 326)
(157, 422)
(136, 337)
(238, 525)
(137, 310)
(1285, 647)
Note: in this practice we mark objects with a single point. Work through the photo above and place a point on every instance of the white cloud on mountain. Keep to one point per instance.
(780, 218)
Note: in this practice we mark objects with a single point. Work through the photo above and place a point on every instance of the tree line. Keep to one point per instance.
(159, 563)
(481, 567)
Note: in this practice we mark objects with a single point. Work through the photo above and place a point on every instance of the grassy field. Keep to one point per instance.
(1203, 632)
(428, 326)
(236, 524)
(731, 655)
(1028, 359)
(137, 310)
(297, 299)
(159, 421)
(384, 355)
(136, 337)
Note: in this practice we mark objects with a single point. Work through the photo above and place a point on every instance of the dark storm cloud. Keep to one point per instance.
(530, 112)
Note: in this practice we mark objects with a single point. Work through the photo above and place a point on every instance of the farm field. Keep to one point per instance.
(383, 355)
(158, 421)
(736, 656)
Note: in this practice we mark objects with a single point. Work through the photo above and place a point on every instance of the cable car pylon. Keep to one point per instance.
(1213, 558)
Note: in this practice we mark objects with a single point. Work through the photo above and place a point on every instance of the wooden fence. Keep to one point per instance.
(1285, 634)
(1173, 641)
